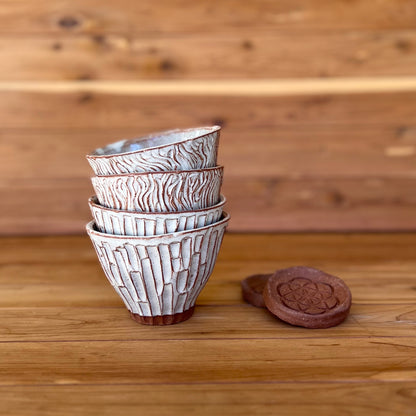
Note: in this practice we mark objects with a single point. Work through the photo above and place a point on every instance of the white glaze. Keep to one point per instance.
(159, 275)
(118, 222)
(185, 149)
(160, 191)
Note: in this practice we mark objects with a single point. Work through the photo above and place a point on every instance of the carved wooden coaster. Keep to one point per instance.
(307, 297)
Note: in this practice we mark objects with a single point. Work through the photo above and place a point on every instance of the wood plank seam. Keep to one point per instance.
(212, 383)
(273, 87)
(337, 337)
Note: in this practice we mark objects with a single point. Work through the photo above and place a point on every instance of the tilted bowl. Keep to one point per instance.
(180, 149)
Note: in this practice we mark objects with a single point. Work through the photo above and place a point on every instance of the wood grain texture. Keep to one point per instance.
(62, 40)
(208, 56)
(92, 16)
(187, 361)
(323, 69)
(318, 149)
(207, 399)
(255, 204)
(92, 110)
(383, 277)
(113, 324)
(355, 170)
(221, 87)
(94, 293)
(234, 400)
(382, 249)
(61, 356)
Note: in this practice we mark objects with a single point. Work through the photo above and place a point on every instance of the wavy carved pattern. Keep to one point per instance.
(147, 224)
(160, 191)
(159, 275)
(193, 154)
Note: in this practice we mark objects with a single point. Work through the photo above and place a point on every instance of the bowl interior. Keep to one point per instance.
(153, 140)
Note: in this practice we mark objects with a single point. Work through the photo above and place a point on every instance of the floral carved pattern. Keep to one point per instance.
(304, 295)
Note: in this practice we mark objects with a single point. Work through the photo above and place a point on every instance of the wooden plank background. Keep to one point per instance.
(317, 101)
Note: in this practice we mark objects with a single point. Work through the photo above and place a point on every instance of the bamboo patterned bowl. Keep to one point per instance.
(180, 149)
(159, 278)
(160, 191)
(113, 221)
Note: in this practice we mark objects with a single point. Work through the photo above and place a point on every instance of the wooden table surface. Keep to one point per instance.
(68, 346)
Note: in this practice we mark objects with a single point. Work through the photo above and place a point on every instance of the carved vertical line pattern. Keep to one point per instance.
(140, 230)
(183, 277)
(164, 278)
(126, 295)
(194, 270)
(139, 283)
(125, 223)
(155, 270)
(214, 243)
(151, 289)
(201, 276)
(123, 298)
(136, 223)
(181, 299)
(156, 265)
(126, 269)
(167, 300)
(132, 256)
(111, 264)
(166, 263)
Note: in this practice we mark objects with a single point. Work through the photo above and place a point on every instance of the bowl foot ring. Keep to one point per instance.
(163, 319)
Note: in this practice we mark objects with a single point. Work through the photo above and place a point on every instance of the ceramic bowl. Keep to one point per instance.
(118, 222)
(160, 191)
(180, 149)
(160, 277)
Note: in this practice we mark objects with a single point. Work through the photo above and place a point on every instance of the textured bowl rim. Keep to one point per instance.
(90, 230)
(93, 202)
(213, 129)
(160, 172)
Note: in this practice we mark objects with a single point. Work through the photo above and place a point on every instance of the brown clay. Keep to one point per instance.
(307, 297)
(253, 287)
(163, 319)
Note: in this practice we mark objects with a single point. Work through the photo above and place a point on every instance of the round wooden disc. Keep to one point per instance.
(307, 297)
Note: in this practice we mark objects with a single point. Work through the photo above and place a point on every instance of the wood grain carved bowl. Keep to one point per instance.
(160, 191)
(180, 149)
(160, 277)
(113, 221)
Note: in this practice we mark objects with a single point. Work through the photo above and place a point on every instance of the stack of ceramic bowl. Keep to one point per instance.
(158, 219)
